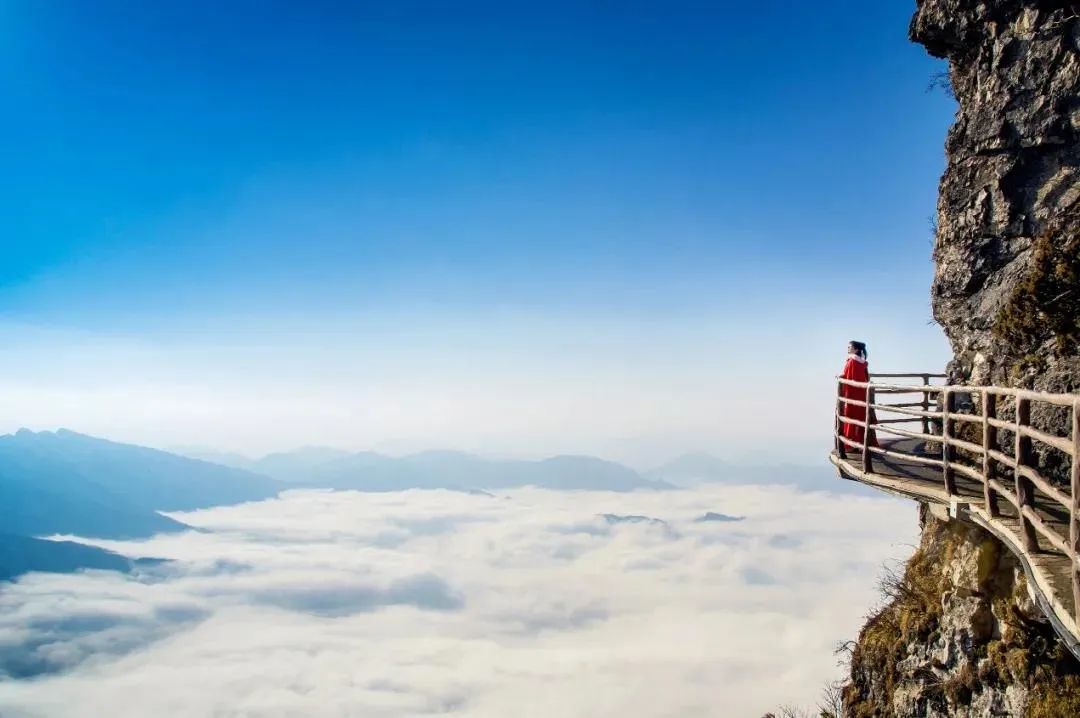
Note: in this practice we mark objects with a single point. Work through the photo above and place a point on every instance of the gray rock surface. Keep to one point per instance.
(960, 635)
(1012, 181)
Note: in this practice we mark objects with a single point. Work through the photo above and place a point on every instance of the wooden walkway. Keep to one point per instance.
(1034, 518)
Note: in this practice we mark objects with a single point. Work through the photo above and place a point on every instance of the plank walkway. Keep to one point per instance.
(1049, 569)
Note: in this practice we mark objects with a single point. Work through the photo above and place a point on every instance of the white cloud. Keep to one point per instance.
(435, 602)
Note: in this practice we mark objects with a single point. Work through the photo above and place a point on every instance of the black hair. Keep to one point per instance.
(860, 348)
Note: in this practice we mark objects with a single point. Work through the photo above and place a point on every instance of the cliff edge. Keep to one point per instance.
(959, 634)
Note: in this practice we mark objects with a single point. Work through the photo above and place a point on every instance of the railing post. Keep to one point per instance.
(867, 458)
(1024, 489)
(1074, 513)
(841, 449)
(989, 441)
(925, 405)
(946, 448)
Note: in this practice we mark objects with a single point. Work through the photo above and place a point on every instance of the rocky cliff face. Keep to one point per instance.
(1007, 284)
(959, 635)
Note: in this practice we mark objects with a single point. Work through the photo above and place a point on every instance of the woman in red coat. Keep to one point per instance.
(855, 369)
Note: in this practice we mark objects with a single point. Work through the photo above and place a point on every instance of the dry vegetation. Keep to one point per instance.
(1023, 651)
(1045, 305)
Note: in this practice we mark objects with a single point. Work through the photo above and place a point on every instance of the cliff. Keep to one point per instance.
(959, 634)
(1007, 250)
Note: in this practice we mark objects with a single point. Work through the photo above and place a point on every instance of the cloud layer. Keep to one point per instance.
(529, 603)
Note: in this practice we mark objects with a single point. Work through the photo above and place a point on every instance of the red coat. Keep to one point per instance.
(856, 369)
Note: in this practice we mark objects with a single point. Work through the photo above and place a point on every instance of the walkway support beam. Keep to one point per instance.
(1074, 522)
(867, 457)
(989, 441)
(1025, 489)
(925, 405)
(948, 454)
(840, 448)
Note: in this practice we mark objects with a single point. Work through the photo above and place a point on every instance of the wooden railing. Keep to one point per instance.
(938, 417)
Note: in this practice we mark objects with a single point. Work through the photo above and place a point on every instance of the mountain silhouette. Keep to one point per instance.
(369, 471)
(148, 479)
(67, 483)
(297, 466)
(699, 468)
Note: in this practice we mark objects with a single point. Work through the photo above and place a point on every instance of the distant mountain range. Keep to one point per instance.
(63, 482)
(369, 471)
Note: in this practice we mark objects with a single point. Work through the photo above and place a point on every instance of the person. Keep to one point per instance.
(856, 368)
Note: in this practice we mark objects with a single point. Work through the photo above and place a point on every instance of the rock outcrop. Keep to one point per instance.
(959, 634)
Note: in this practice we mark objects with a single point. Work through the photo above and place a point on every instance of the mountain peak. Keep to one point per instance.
(25, 433)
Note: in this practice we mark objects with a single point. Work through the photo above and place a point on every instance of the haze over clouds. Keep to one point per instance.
(638, 390)
(528, 603)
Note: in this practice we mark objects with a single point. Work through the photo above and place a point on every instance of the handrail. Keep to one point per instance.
(1057, 399)
(910, 376)
(939, 430)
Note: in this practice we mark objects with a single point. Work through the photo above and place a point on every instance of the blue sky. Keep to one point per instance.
(506, 227)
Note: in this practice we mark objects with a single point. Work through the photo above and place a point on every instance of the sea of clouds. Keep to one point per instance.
(525, 603)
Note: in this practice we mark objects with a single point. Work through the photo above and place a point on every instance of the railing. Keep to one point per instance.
(937, 408)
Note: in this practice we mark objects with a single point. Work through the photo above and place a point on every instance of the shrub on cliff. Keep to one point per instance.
(1045, 306)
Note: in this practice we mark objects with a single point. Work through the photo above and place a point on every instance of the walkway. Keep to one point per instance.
(1034, 517)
